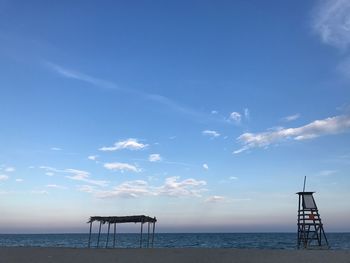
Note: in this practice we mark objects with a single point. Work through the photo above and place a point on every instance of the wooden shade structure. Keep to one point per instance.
(114, 220)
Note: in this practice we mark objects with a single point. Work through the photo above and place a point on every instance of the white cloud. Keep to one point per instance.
(331, 125)
(19, 180)
(49, 173)
(10, 169)
(155, 157)
(56, 149)
(210, 133)
(214, 112)
(121, 167)
(235, 117)
(291, 117)
(332, 22)
(175, 188)
(92, 157)
(3, 177)
(129, 189)
(138, 188)
(205, 166)
(233, 178)
(130, 144)
(215, 199)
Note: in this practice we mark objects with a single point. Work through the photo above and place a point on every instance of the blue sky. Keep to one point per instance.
(205, 114)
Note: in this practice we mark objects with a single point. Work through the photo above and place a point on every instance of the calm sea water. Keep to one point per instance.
(220, 240)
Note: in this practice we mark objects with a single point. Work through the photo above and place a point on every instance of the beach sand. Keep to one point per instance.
(180, 255)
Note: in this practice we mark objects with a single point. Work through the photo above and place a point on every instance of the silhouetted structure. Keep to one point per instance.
(114, 220)
(310, 227)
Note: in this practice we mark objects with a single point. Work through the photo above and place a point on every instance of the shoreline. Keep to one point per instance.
(169, 255)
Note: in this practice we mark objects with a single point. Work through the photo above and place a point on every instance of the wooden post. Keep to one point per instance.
(141, 235)
(109, 226)
(148, 235)
(99, 232)
(90, 234)
(299, 223)
(115, 226)
(154, 226)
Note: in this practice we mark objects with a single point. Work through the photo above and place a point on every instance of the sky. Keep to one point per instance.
(204, 114)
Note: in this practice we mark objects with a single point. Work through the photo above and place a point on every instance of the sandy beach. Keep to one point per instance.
(58, 255)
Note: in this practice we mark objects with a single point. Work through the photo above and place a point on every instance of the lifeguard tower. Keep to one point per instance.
(310, 227)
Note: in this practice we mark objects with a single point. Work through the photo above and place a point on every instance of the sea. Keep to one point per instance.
(337, 241)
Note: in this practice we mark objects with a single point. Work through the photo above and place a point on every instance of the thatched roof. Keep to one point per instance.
(123, 219)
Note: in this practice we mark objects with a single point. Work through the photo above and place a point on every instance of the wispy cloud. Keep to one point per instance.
(175, 106)
(134, 189)
(344, 67)
(246, 114)
(180, 163)
(233, 178)
(327, 172)
(77, 175)
(235, 117)
(291, 117)
(101, 83)
(129, 189)
(73, 74)
(215, 199)
(83, 176)
(130, 144)
(92, 157)
(211, 133)
(155, 157)
(9, 169)
(331, 22)
(187, 187)
(331, 125)
(121, 167)
(56, 149)
(19, 180)
(50, 169)
(205, 166)
(3, 177)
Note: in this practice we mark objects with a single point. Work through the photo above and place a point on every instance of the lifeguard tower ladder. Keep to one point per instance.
(310, 227)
